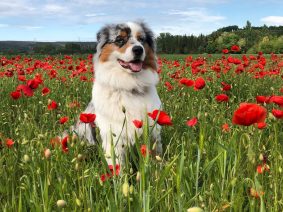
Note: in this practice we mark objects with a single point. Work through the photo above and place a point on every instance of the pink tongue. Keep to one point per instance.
(135, 66)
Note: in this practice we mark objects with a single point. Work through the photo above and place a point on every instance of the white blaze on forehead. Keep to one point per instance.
(135, 28)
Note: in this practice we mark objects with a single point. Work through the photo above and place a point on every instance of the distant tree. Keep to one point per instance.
(226, 40)
(71, 48)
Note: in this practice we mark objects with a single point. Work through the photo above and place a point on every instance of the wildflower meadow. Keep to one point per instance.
(222, 137)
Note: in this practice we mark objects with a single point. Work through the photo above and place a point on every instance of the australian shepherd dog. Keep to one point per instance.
(124, 89)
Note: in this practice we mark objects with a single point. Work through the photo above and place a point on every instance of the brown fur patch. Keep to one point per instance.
(106, 52)
(138, 35)
(123, 33)
(124, 48)
(150, 59)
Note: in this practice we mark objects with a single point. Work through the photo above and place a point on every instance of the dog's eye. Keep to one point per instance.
(141, 39)
(120, 41)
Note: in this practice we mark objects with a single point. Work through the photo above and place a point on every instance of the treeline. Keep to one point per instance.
(66, 48)
(250, 39)
(28, 47)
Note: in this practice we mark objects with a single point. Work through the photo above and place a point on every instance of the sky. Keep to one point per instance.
(79, 20)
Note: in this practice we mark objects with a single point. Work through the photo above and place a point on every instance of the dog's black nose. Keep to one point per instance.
(138, 50)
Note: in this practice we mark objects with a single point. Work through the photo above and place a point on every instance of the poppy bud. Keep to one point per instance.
(77, 166)
(80, 157)
(131, 189)
(61, 203)
(138, 177)
(78, 202)
(261, 157)
(195, 209)
(26, 158)
(125, 189)
(158, 158)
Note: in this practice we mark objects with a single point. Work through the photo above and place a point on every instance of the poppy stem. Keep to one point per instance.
(197, 171)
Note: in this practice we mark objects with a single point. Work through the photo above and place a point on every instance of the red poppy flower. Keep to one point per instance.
(248, 114)
(22, 78)
(235, 48)
(256, 194)
(138, 123)
(52, 105)
(261, 125)
(277, 100)
(103, 177)
(260, 169)
(192, 122)
(277, 113)
(87, 117)
(45, 91)
(144, 150)
(117, 167)
(225, 127)
(15, 94)
(25, 89)
(168, 86)
(9, 143)
(63, 119)
(222, 98)
(225, 51)
(64, 144)
(199, 83)
(225, 86)
(262, 99)
(186, 82)
(33, 83)
(161, 117)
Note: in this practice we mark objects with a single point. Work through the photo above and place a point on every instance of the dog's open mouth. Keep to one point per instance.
(134, 65)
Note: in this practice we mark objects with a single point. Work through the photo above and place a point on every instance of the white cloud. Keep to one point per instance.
(187, 28)
(196, 15)
(210, 2)
(56, 9)
(27, 27)
(91, 2)
(15, 7)
(190, 21)
(273, 20)
(95, 14)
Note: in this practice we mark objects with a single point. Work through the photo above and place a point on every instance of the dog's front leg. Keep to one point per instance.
(158, 150)
(114, 150)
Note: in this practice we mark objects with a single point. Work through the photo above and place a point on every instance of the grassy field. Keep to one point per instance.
(211, 163)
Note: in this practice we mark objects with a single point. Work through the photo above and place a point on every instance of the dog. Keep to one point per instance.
(124, 89)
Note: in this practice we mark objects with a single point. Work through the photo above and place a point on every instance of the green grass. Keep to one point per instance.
(201, 165)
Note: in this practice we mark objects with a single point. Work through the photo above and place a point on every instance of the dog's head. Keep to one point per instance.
(129, 47)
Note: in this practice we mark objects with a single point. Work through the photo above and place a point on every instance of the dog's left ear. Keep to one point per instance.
(150, 39)
(102, 37)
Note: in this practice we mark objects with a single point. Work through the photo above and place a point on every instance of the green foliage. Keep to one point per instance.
(247, 38)
(270, 44)
(201, 166)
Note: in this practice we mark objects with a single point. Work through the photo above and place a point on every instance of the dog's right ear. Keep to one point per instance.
(102, 37)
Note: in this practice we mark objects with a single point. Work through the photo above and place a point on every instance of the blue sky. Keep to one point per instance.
(74, 20)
